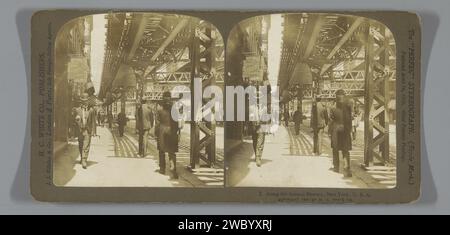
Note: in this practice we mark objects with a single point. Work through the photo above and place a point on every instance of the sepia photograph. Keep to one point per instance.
(199, 106)
(335, 124)
(114, 80)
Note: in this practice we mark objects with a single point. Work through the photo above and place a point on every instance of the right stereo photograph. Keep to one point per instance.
(316, 106)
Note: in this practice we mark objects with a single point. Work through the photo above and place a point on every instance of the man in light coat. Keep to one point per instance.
(319, 120)
(86, 124)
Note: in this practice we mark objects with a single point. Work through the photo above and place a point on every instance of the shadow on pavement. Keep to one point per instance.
(64, 165)
(238, 166)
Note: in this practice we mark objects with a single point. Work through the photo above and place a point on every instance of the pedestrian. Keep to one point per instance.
(121, 122)
(166, 133)
(85, 119)
(298, 119)
(258, 138)
(90, 90)
(109, 118)
(286, 117)
(145, 123)
(319, 120)
(257, 131)
(340, 131)
(100, 116)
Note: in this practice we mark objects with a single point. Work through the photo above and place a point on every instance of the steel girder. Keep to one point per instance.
(377, 76)
(181, 77)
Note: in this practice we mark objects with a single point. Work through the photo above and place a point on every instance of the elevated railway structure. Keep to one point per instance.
(148, 54)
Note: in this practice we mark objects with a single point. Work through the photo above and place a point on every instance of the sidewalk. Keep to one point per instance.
(113, 162)
(288, 161)
(202, 177)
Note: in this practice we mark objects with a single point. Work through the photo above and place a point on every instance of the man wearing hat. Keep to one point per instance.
(340, 130)
(298, 119)
(256, 128)
(85, 122)
(121, 122)
(258, 138)
(166, 133)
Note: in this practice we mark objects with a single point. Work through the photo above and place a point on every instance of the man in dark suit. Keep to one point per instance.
(286, 117)
(319, 120)
(145, 123)
(86, 123)
(340, 131)
(167, 132)
(121, 122)
(298, 119)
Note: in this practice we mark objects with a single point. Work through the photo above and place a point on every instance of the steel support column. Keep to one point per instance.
(123, 100)
(109, 115)
(202, 62)
(194, 52)
(300, 100)
(376, 125)
(210, 63)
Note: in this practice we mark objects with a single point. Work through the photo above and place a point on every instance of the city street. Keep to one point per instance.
(301, 168)
(318, 64)
(101, 77)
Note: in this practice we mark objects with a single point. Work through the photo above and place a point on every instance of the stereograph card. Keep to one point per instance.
(225, 106)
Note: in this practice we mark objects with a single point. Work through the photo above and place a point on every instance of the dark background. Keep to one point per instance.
(15, 116)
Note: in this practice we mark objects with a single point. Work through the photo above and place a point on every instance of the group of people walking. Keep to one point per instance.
(165, 130)
(342, 119)
(150, 120)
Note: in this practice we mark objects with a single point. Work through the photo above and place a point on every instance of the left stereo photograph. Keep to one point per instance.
(114, 77)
